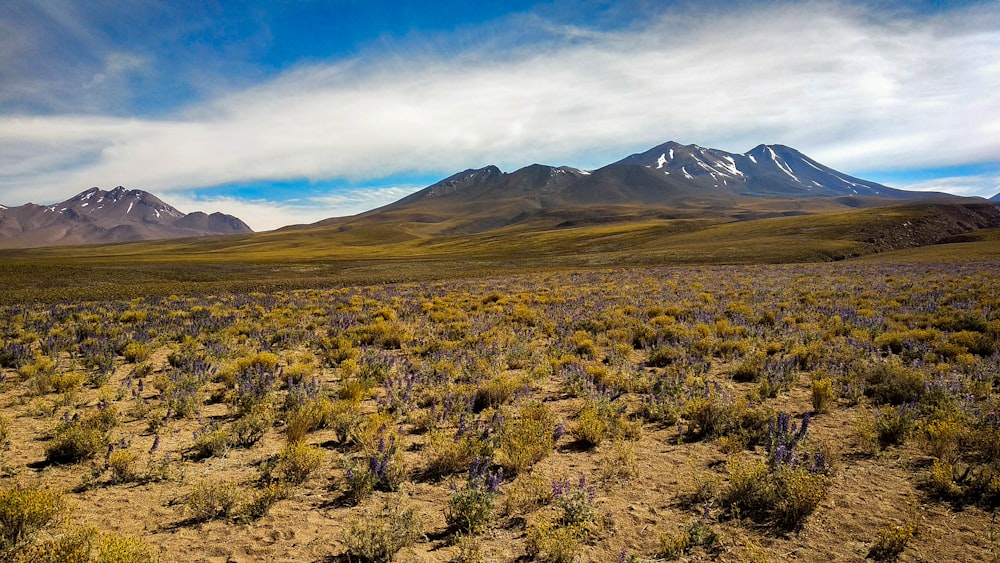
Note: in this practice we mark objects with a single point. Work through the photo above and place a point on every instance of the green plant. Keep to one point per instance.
(379, 537)
(576, 503)
(263, 500)
(247, 430)
(893, 425)
(26, 510)
(212, 441)
(123, 463)
(890, 541)
(470, 509)
(548, 541)
(527, 439)
(361, 481)
(82, 439)
(823, 395)
(295, 463)
(135, 352)
(694, 535)
(210, 500)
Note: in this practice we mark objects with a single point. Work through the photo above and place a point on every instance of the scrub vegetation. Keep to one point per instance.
(739, 413)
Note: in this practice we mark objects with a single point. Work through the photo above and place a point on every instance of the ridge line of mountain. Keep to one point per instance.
(98, 216)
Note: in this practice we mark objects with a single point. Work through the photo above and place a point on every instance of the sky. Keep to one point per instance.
(286, 112)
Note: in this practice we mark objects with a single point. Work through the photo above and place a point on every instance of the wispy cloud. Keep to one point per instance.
(263, 214)
(854, 88)
(971, 185)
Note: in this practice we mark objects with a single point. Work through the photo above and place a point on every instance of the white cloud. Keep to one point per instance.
(264, 215)
(849, 89)
(973, 185)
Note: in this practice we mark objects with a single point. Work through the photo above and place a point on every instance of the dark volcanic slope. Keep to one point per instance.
(686, 179)
(97, 216)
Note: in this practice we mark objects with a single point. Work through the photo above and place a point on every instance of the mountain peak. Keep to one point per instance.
(98, 216)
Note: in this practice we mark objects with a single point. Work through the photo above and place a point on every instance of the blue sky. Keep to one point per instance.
(291, 112)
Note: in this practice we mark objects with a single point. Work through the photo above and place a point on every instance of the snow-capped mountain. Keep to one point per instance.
(98, 216)
(764, 171)
(670, 174)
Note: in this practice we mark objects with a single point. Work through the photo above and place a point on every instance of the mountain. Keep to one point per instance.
(98, 216)
(995, 198)
(667, 181)
(764, 171)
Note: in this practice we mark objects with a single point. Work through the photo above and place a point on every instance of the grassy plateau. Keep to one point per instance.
(821, 387)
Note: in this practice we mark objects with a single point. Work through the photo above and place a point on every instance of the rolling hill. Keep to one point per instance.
(639, 211)
(98, 216)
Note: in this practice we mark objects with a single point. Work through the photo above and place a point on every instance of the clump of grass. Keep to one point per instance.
(890, 541)
(294, 464)
(81, 439)
(470, 508)
(123, 549)
(85, 544)
(211, 500)
(527, 493)
(548, 541)
(4, 431)
(25, 511)
(381, 536)
(496, 391)
(618, 463)
(213, 440)
(263, 500)
(527, 438)
(310, 415)
(124, 466)
(135, 352)
(697, 534)
(72, 545)
(601, 419)
(450, 452)
(823, 395)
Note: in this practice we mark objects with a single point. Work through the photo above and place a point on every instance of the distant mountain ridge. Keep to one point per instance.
(668, 180)
(98, 216)
(764, 171)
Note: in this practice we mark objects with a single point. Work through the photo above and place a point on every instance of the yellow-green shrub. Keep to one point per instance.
(210, 500)
(379, 537)
(891, 541)
(526, 438)
(26, 510)
(548, 541)
(823, 395)
(135, 352)
(123, 463)
(295, 463)
(312, 414)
